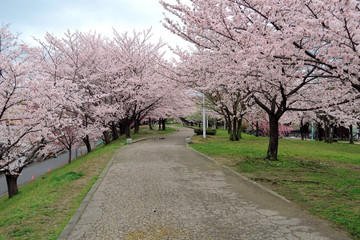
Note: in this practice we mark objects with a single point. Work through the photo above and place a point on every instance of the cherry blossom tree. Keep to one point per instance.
(72, 64)
(22, 132)
(275, 46)
(139, 86)
(226, 94)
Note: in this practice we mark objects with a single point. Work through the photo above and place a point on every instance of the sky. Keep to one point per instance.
(33, 18)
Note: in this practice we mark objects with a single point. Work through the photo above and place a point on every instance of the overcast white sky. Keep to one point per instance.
(33, 18)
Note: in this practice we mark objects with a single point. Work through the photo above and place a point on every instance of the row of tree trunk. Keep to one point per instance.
(162, 124)
(116, 129)
(234, 129)
(123, 127)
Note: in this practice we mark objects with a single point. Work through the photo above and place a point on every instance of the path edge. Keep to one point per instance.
(75, 218)
(242, 176)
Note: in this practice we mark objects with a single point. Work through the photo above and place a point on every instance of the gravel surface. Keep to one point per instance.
(161, 189)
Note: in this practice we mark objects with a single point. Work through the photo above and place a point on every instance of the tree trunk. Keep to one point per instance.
(274, 138)
(121, 129)
(229, 127)
(150, 126)
(12, 186)
(70, 151)
(233, 130)
(164, 124)
(257, 129)
(351, 137)
(302, 129)
(328, 132)
(239, 128)
(86, 140)
(160, 123)
(137, 126)
(106, 137)
(115, 135)
(319, 133)
(127, 128)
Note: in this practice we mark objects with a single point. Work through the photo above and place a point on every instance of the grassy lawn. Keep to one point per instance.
(323, 178)
(42, 208)
(145, 132)
(176, 124)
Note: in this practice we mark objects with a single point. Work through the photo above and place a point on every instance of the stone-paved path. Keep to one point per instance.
(161, 189)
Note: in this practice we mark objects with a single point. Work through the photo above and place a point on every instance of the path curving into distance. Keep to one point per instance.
(161, 189)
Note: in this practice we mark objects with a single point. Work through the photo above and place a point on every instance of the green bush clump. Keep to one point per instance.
(199, 131)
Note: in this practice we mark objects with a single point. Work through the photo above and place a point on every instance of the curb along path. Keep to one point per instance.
(161, 189)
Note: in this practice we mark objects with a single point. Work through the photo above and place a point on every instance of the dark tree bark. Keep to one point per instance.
(160, 123)
(150, 125)
(274, 138)
(137, 126)
(302, 129)
(164, 124)
(12, 186)
(351, 137)
(127, 131)
(121, 127)
(106, 137)
(257, 129)
(332, 133)
(114, 131)
(233, 131)
(70, 151)
(319, 132)
(239, 136)
(228, 124)
(328, 131)
(86, 140)
(126, 122)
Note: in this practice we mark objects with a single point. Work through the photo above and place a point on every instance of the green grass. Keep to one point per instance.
(167, 131)
(43, 207)
(176, 124)
(324, 178)
(145, 132)
(66, 177)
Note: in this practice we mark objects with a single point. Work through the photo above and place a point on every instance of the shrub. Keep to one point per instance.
(199, 131)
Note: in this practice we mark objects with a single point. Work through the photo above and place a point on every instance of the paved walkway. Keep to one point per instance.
(161, 189)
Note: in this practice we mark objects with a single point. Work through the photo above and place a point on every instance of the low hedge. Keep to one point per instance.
(199, 131)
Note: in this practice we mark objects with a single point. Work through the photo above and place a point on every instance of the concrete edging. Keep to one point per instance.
(243, 177)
